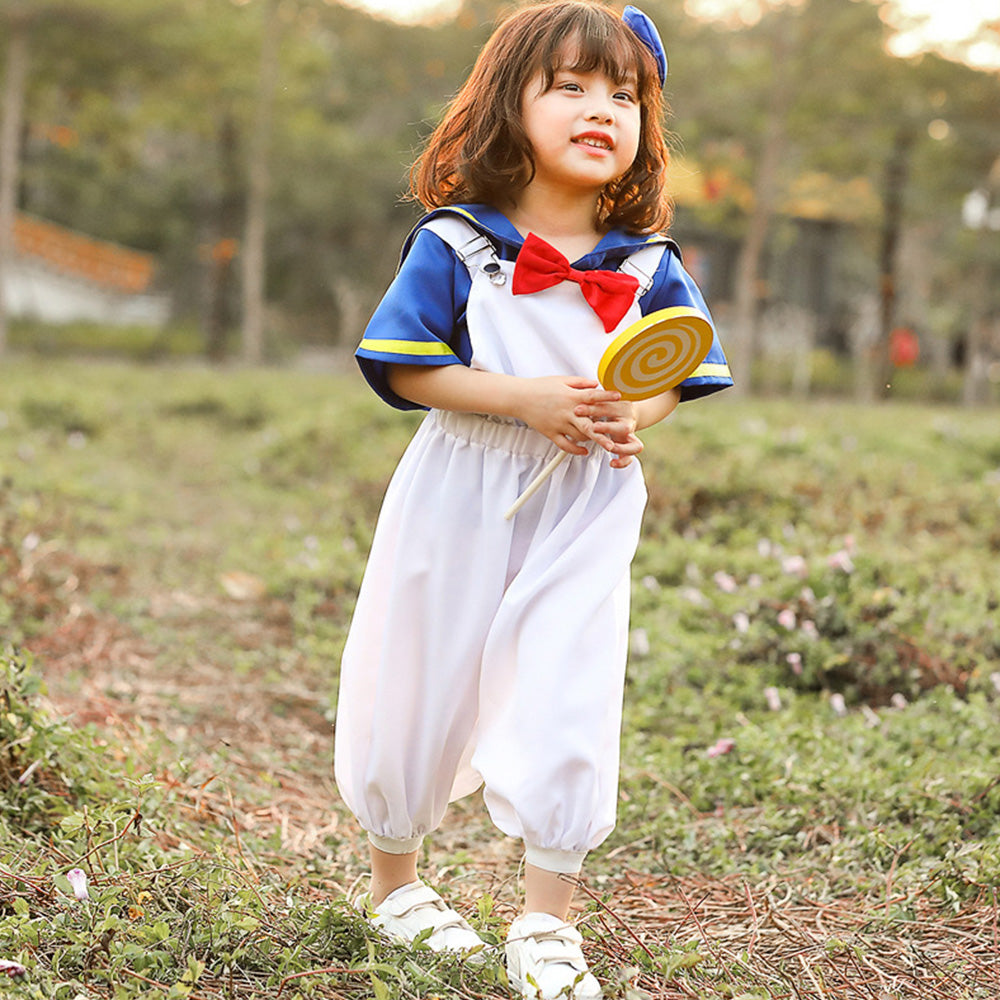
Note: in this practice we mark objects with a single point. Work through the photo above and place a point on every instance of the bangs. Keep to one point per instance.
(589, 41)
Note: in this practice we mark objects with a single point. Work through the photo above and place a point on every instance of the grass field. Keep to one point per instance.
(810, 796)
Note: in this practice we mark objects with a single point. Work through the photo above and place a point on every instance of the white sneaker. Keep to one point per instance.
(545, 961)
(416, 907)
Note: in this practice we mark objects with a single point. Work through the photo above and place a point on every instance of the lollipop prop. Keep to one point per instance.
(650, 356)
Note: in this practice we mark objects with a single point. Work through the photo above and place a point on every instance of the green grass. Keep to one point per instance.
(181, 547)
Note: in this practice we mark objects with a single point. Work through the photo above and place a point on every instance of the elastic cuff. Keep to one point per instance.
(390, 846)
(560, 862)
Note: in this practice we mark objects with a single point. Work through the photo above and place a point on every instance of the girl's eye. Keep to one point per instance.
(569, 85)
(625, 95)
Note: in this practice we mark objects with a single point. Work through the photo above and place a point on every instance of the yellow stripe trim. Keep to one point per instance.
(413, 348)
(711, 371)
(462, 211)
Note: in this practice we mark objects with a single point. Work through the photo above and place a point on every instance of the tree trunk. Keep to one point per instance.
(975, 380)
(742, 349)
(15, 84)
(896, 173)
(226, 210)
(254, 257)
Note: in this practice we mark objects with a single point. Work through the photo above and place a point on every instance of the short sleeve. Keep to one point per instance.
(673, 286)
(421, 318)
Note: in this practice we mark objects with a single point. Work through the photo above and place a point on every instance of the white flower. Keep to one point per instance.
(898, 701)
(837, 703)
(741, 622)
(639, 642)
(786, 618)
(809, 627)
(725, 582)
(77, 879)
(694, 596)
(773, 699)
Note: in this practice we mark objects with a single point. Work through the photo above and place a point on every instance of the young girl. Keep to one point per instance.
(487, 651)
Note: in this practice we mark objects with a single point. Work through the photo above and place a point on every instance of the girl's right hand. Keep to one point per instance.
(549, 405)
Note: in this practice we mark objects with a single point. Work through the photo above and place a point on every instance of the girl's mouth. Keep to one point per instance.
(596, 140)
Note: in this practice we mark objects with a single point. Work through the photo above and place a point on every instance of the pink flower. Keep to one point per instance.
(841, 560)
(725, 582)
(809, 627)
(786, 618)
(12, 969)
(77, 879)
(795, 566)
(795, 662)
(723, 746)
(773, 699)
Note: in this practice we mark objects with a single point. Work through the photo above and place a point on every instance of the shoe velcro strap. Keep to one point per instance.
(435, 912)
(558, 946)
(419, 896)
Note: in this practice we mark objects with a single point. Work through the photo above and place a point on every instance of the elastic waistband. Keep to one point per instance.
(501, 433)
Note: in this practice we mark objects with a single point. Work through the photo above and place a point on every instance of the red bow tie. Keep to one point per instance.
(539, 266)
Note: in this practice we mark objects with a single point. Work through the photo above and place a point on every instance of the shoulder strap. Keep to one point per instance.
(643, 264)
(472, 247)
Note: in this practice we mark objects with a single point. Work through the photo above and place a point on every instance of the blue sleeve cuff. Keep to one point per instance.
(673, 286)
(421, 318)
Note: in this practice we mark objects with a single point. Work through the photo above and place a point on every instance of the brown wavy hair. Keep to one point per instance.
(480, 152)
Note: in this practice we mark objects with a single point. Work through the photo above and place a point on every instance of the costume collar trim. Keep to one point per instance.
(494, 224)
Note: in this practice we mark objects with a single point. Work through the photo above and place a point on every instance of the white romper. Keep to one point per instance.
(491, 652)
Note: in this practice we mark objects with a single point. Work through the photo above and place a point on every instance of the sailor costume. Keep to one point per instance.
(486, 651)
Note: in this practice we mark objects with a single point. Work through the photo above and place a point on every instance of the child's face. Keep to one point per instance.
(583, 130)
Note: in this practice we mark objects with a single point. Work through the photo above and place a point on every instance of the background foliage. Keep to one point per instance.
(140, 118)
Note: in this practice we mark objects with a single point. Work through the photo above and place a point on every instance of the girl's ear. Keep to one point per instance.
(646, 32)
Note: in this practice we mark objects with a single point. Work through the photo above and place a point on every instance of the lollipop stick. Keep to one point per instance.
(534, 485)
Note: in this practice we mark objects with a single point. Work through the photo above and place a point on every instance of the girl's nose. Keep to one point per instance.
(601, 110)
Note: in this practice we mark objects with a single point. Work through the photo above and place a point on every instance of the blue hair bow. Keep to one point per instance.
(646, 32)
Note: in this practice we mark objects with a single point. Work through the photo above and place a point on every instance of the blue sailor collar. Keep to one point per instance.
(492, 223)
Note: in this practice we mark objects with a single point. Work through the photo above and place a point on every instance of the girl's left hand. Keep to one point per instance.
(613, 427)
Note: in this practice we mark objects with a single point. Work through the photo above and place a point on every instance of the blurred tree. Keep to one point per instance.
(81, 51)
(12, 105)
(259, 184)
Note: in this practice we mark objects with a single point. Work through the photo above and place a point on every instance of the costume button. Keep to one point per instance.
(493, 271)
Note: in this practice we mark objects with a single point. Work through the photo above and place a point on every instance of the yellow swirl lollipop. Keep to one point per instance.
(650, 356)
(655, 353)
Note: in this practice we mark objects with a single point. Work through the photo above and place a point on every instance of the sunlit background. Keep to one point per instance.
(233, 175)
(949, 26)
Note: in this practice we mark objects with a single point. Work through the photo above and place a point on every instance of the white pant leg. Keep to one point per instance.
(554, 663)
(409, 689)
